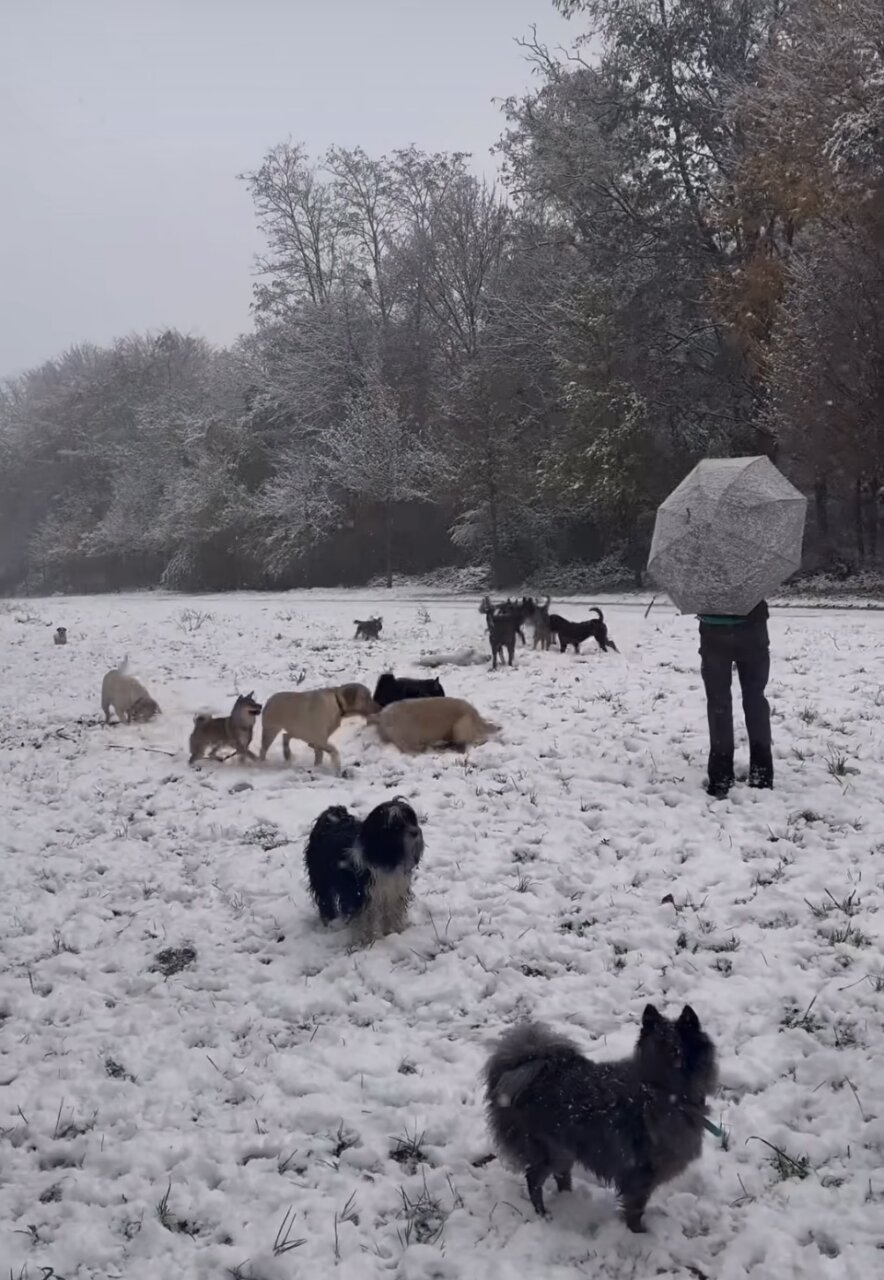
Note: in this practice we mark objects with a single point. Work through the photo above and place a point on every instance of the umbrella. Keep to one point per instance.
(727, 536)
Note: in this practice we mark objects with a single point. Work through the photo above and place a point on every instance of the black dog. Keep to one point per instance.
(504, 624)
(361, 871)
(368, 628)
(576, 632)
(634, 1123)
(390, 688)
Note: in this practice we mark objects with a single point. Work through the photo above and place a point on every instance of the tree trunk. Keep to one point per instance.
(872, 509)
(858, 520)
(388, 544)
(821, 507)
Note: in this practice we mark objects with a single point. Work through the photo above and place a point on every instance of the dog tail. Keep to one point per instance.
(488, 726)
(201, 717)
(595, 609)
(121, 667)
(521, 1055)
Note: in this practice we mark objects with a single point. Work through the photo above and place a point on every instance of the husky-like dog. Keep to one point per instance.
(574, 633)
(362, 871)
(634, 1123)
(128, 697)
(211, 733)
(368, 628)
(390, 688)
(61, 635)
(419, 723)
(539, 620)
(312, 717)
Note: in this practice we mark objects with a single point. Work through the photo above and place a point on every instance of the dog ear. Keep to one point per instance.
(651, 1018)
(688, 1022)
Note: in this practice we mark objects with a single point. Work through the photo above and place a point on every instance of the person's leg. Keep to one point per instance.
(754, 669)
(716, 669)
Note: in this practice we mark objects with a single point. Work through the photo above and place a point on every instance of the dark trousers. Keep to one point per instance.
(746, 647)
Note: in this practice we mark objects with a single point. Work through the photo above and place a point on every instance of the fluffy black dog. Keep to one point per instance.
(361, 871)
(634, 1123)
(576, 632)
(390, 688)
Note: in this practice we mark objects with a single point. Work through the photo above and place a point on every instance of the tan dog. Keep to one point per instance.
(313, 717)
(418, 723)
(128, 697)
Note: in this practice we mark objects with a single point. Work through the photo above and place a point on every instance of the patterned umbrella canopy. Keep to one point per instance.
(727, 536)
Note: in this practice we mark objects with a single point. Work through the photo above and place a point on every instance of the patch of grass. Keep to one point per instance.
(117, 1071)
(730, 944)
(347, 1214)
(284, 1243)
(266, 835)
(836, 764)
(523, 884)
(764, 879)
(408, 1151)
(579, 928)
(171, 1220)
(190, 620)
(794, 1018)
(783, 1165)
(848, 934)
(849, 905)
(809, 715)
(407, 1068)
(172, 960)
(59, 944)
(424, 1217)
(344, 1140)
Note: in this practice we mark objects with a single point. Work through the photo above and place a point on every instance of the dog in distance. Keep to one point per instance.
(368, 628)
(390, 688)
(128, 697)
(574, 633)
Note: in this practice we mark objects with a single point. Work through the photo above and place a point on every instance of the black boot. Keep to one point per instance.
(721, 775)
(761, 768)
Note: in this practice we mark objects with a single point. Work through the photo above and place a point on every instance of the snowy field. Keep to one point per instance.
(196, 1080)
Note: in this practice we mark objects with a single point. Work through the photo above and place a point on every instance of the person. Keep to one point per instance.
(742, 642)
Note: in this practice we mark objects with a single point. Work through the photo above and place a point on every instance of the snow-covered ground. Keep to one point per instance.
(280, 1087)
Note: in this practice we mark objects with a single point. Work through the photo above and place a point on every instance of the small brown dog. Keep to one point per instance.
(312, 717)
(211, 733)
(127, 696)
(61, 635)
(419, 723)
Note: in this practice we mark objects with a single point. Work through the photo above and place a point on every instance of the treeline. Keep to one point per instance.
(686, 258)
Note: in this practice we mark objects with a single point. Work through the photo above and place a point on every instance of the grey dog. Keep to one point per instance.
(634, 1123)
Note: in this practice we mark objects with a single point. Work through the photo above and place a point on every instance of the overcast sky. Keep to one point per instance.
(124, 122)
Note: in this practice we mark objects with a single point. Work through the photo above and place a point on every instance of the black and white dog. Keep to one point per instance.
(361, 871)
